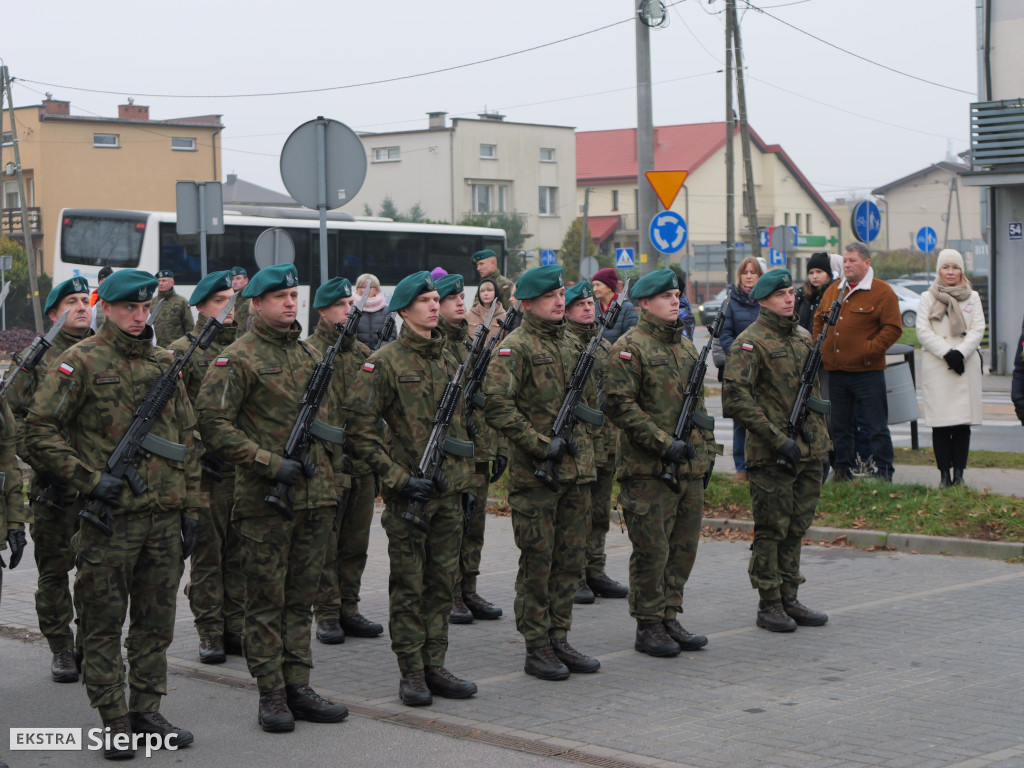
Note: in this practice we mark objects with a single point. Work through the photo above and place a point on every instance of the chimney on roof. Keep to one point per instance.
(52, 107)
(436, 119)
(485, 115)
(132, 111)
(232, 178)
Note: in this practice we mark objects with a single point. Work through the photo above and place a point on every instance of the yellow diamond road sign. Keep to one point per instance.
(667, 184)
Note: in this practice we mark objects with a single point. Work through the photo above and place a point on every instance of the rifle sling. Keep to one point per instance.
(588, 415)
(704, 420)
(462, 448)
(165, 449)
(817, 405)
(327, 433)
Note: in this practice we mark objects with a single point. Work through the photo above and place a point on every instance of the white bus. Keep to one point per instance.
(89, 239)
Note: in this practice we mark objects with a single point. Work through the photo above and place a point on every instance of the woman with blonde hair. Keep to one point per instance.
(950, 326)
(486, 294)
(375, 311)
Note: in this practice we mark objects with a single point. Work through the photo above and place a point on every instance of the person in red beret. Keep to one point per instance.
(605, 283)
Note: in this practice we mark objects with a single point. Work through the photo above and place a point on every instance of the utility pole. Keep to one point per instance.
(646, 204)
(585, 232)
(30, 251)
(730, 155)
(748, 167)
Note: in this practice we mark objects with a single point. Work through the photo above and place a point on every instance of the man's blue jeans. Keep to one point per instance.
(866, 390)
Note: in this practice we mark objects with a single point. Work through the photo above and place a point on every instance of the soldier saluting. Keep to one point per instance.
(74, 423)
(247, 406)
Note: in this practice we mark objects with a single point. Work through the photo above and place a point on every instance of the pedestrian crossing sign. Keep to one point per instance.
(624, 258)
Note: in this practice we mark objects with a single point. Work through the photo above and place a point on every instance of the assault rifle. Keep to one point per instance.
(688, 416)
(301, 436)
(804, 397)
(483, 358)
(138, 440)
(35, 352)
(571, 407)
(385, 333)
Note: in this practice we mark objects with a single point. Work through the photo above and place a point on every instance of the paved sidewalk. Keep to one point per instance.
(919, 667)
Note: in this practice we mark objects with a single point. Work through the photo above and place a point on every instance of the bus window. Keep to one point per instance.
(102, 240)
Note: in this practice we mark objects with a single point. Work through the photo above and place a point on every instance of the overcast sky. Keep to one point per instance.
(848, 124)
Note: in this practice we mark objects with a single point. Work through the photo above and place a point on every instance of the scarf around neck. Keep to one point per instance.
(947, 302)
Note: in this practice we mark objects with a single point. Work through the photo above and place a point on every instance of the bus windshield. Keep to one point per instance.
(100, 239)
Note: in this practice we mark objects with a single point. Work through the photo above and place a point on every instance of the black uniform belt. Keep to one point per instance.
(165, 449)
(326, 432)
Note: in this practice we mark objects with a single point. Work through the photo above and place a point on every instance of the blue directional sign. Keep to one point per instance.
(927, 239)
(624, 258)
(668, 232)
(762, 236)
(866, 221)
(776, 258)
(547, 257)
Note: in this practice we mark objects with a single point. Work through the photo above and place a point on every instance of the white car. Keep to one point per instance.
(909, 299)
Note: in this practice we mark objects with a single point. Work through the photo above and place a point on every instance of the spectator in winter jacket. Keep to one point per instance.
(606, 289)
(375, 312)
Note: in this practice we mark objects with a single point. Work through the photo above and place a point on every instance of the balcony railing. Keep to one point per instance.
(10, 222)
(627, 222)
(997, 135)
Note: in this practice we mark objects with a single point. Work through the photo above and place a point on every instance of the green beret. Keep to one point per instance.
(275, 278)
(235, 271)
(215, 282)
(538, 281)
(486, 253)
(654, 283)
(409, 288)
(581, 290)
(128, 285)
(74, 285)
(770, 282)
(165, 273)
(334, 289)
(449, 285)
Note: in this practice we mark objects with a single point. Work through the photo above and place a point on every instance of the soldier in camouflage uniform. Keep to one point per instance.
(247, 405)
(487, 266)
(762, 378)
(12, 515)
(403, 382)
(216, 588)
(54, 519)
(581, 314)
(74, 422)
(175, 318)
(645, 382)
(467, 604)
(243, 307)
(336, 608)
(524, 389)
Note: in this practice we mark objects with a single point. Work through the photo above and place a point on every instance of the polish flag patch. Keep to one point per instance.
(221, 361)
(626, 355)
(368, 367)
(748, 347)
(66, 369)
(504, 352)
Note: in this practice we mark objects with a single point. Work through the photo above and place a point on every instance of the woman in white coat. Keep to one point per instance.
(950, 325)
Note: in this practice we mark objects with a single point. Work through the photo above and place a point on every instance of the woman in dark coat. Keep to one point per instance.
(606, 289)
(808, 295)
(375, 312)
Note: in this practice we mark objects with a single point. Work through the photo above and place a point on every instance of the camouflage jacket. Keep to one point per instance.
(762, 378)
(505, 288)
(647, 373)
(606, 436)
(174, 319)
(487, 444)
(83, 408)
(13, 514)
(247, 405)
(524, 389)
(243, 311)
(347, 364)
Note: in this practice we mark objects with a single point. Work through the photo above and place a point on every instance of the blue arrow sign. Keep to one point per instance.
(927, 239)
(668, 232)
(624, 258)
(866, 221)
(547, 257)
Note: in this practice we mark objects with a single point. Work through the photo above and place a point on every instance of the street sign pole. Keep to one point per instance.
(321, 192)
(202, 229)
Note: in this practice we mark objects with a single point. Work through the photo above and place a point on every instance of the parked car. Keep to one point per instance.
(909, 299)
(917, 286)
(710, 308)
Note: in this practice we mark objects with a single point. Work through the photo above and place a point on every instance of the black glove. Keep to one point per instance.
(955, 360)
(212, 462)
(471, 429)
(498, 467)
(108, 489)
(289, 472)
(469, 508)
(790, 451)
(418, 489)
(346, 464)
(189, 537)
(679, 451)
(556, 450)
(16, 541)
(572, 447)
(442, 484)
(50, 480)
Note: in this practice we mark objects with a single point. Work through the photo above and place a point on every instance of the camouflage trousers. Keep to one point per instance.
(216, 588)
(472, 547)
(423, 568)
(337, 594)
(600, 518)
(784, 509)
(52, 528)
(664, 528)
(134, 572)
(281, 560)
(551, 533)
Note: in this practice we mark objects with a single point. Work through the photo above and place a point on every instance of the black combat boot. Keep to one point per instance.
(154, 722)
(684, 639)
(413, 691)
(944, 479)
(573, 659)
(329, 632)
(460, 613)
(441, 682)
(211, 649)
(772, 616)
(233, 643)
(480, 608)
(541, 662)
(602, 586)
(119, 727)
(307, 704)
(958, 475)
(584, 594)
(358, 625)
(801, 614)
(652, 639)
(273, 714)
(63, 668)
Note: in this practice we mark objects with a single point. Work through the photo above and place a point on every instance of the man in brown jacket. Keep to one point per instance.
(854, 356)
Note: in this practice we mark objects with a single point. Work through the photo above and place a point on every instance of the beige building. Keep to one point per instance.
(470, 167)
(129, 161)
